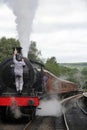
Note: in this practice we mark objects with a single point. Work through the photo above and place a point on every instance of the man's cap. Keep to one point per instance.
(18, 49)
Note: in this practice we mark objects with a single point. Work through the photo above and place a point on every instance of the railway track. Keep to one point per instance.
(74, 117)
(11, 126)
(40, 123)
(82, 105)
(60, 123)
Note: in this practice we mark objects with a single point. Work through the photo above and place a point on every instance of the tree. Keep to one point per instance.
(84, 71)
(52, 60)
(52, 66)
(62, 71)
(6, 46)
(34, 53)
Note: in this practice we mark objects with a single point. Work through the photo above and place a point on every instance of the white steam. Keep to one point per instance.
(15, 109)
(49, 107)
(24, 10)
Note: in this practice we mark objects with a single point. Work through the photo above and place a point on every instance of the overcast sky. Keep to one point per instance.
(59, 28)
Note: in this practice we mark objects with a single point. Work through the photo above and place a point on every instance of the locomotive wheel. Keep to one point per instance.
(31, 112)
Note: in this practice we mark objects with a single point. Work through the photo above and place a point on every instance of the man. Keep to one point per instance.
(18, 70)
(45, 79)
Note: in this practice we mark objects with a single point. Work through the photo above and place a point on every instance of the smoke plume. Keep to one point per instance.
(24, 10)
(49, 107)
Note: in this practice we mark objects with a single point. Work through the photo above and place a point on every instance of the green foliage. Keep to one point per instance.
(52, 66)
(70, 74)
(84, 71)
(34, 53)
(6, 46)
(52, 60)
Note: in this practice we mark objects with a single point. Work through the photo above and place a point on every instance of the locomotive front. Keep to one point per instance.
(28, 101)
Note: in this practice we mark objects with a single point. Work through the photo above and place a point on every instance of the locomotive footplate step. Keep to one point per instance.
(9, 94)
(15, 94)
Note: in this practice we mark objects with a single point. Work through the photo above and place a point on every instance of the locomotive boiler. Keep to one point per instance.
(32, 88)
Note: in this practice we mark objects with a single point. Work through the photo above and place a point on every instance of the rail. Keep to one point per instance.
(63, 102)
(82, 109)
(27, 125)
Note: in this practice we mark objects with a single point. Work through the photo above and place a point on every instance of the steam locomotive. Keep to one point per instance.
(10, 101)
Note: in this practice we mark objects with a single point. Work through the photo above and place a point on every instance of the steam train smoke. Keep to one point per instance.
(54, 85)
(80, 79)
(24, 10)
(14, 109)
(49, 107)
